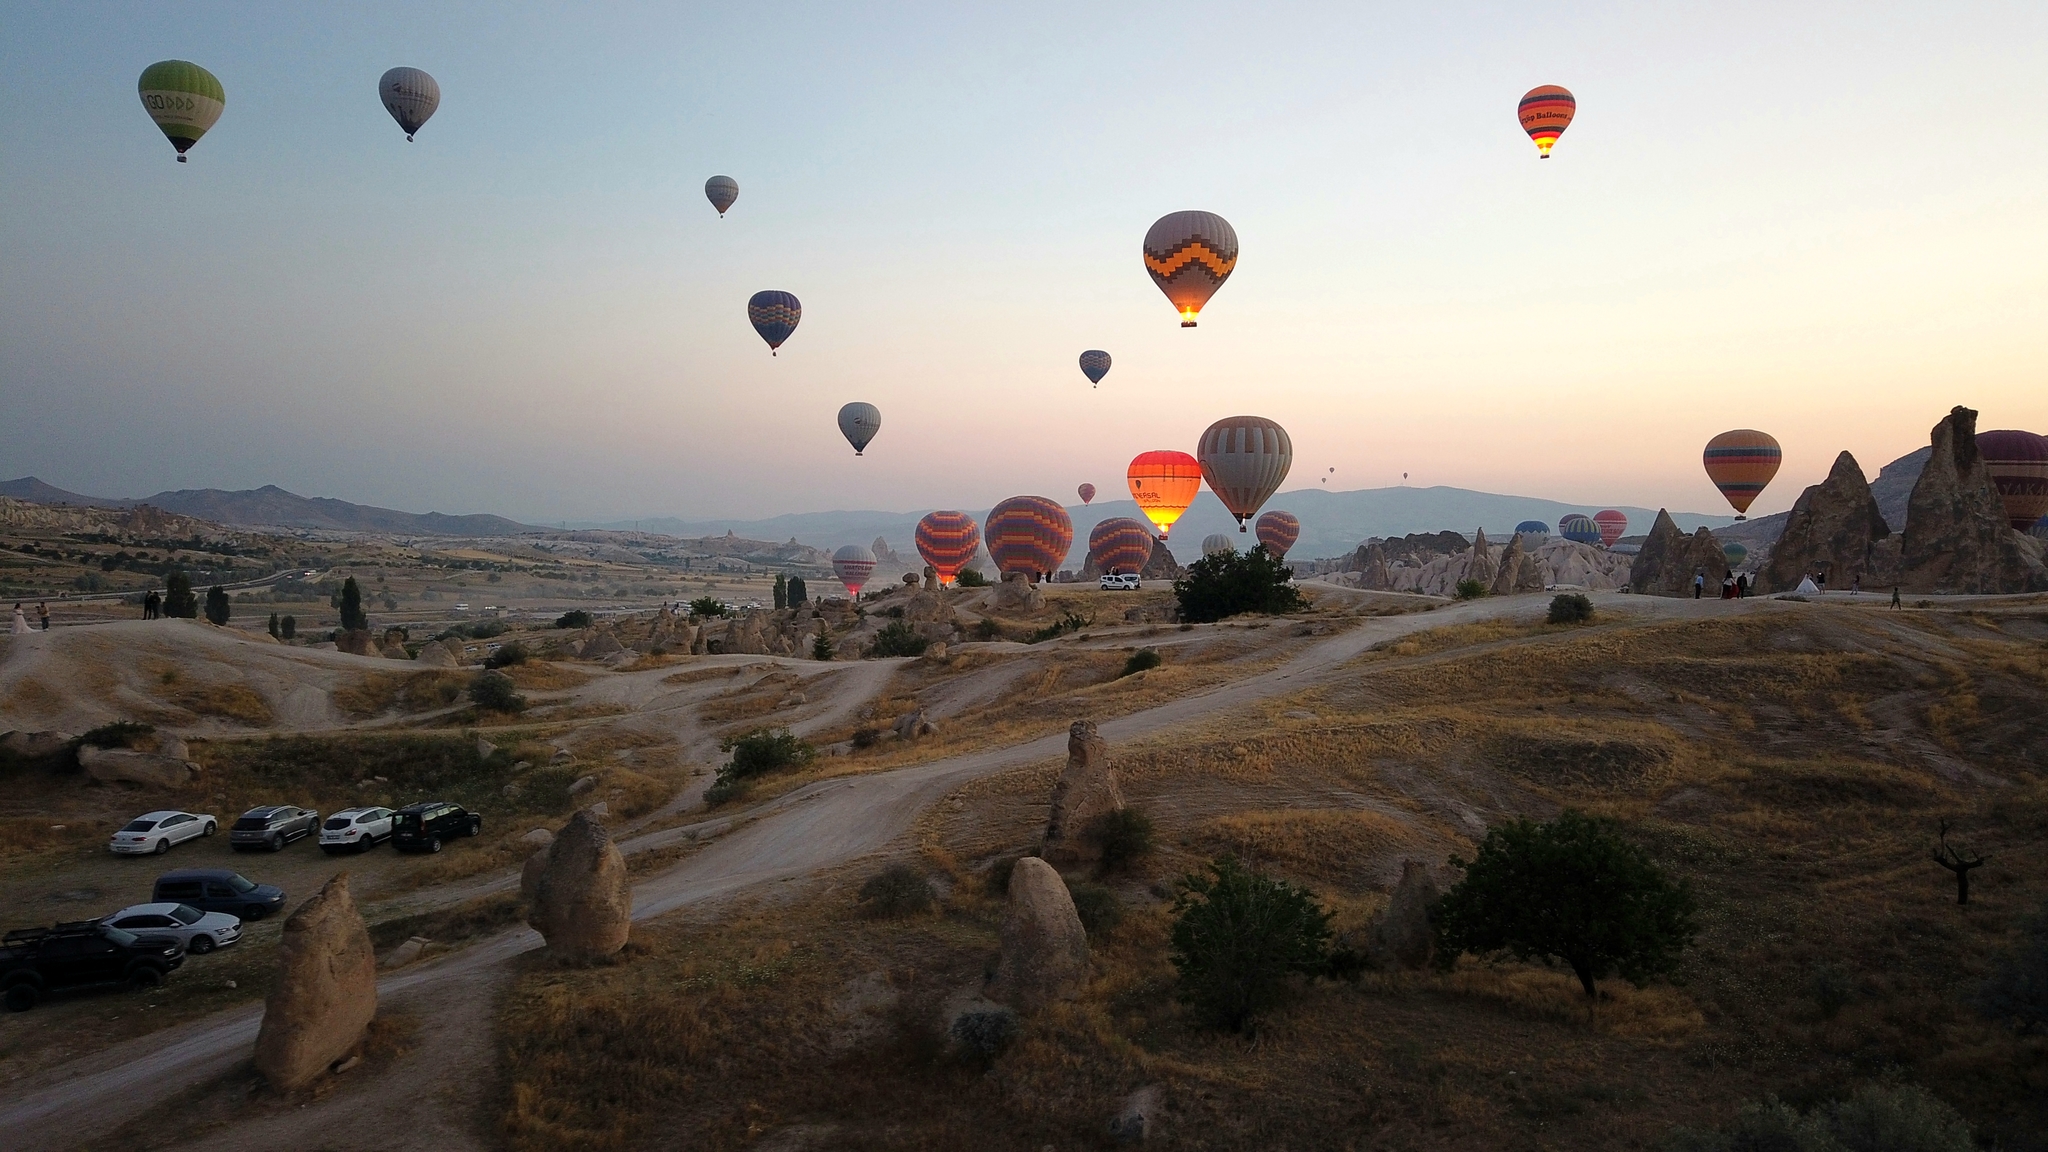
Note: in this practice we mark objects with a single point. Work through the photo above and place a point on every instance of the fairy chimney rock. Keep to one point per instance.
(326, 991)
(579, 899)
(1831, 529)
(1957, 537)
(1087, 789)
(1045, 949)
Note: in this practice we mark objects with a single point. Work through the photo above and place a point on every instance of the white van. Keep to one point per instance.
(1120, 581)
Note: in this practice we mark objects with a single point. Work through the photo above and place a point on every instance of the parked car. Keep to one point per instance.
(35, 962)
(200, 932)
(156, 831)
(218, 890)
(422, 827)
(355, 829)
(272, 826)
(1120, 581)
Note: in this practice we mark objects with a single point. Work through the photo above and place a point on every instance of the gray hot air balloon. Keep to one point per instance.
(859, 422)
(721, 191)
(1216, 542)
(1244, 459)
(411, 96)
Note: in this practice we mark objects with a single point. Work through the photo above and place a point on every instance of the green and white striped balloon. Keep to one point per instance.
(184, 100)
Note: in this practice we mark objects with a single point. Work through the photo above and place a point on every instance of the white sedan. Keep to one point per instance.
(355, 829)
(200, 932)
(157, 831)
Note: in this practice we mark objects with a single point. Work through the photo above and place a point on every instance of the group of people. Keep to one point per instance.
(153, 606)
(1734, 586)
(21, 627)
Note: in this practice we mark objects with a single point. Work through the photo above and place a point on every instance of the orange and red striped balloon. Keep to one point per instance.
(948, 541)
(1120, 544)
(1028, 534)
(1278, 531)
(1741, 463)
(1546, 111)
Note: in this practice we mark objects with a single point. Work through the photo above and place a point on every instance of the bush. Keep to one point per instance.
(1122, 836)
(821, 647)
(507, 656)
(573, 618)
(970, 578)
(985, 1034)
(1572, 891)
(1470, 589)
(897, 890)
(1237, 937)
(1877, 1118)
(898, 639)
(1069, 621)
(707, 606)
(1570, 608)
(288, 628)
(866, 738)
(1143, 660)
(179, 602)
(495, 692)
(547, 789)
(217, 606)
(987, 629)
(756, 754)
(1233, 583)
(2017, 992)
(1097, 906)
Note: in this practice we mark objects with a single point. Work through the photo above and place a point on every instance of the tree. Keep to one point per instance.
(179, 602)
(1231, 583)
(970, 578)
(273, 626)
(781, 590)
(1573, 891)
(1958, 862)
(1470, 589)
(707, 606)
(353, 618)
(1238, 936)
(573, 618)
(288, 628)
(217, 607)
(821, 646)
(757, 753)
(796, 591)
(1570, 608)
(495, 692)
(898, 639)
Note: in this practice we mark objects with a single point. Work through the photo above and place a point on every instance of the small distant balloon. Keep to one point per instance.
(853, 565)
(184, 100)
(1190, 255)
(721, 191)
(1579, 529)
(1086, 492)
(411, 96)
(774, 315)
(1094, 365)
(859, 422)
(1735, 552)
(1545, 113)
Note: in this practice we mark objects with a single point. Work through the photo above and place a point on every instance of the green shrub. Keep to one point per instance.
(507, 655)
(1069, 621)
(756, 754)
(1233, 583)
(821, 647)
(1876, 1118)
(574, 618)
(970, 578)
(1143, 660)
(1097, 906)
(897, 890)
(707, 606)
(1122, 836)
(179, 602)
(288, 628)
(1237, 938)
(1470, 589)
(987, 629)
(495, 692)
(1570, 608)
(865, 738)
(547, 789)
(898, 639)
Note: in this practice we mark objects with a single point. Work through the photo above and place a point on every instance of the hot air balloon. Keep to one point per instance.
(1216, 542)
(1613, 525)
(2040, 528)
(853, 565)
(859, 422)
(1028, 534)
(1190, 255)
(774, 315)
(1164, 483)
(411, 96)
(1094, 365)
(721, 191)
(1086, 492)
(184, 100)
(1736, 552)
(1119, 544)
(1579, 529)
(948, 542)
(1545, 112)
(1532, 532)
(1278, 531)
(2018, 463)
(1326, 476)
(1740, 463)
(1244, 459)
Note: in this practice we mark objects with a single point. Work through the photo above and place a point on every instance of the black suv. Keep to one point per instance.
(35, 962)
(272, 826)
(422, 827)
(218, 890)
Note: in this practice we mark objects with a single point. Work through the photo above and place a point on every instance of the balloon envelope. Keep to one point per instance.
(1532, 531)
(853, 565)
(1216, 542)
(411, 96)
(1086, 492)
(1579, 529)
(1244, 459)
(1119, 544)
(1741, 463)
(1190, 255)
(1736, 552)
(1164, 484)
(1613, 525)
(1028, 534)
(1278, 531)
(2018, 463)
(948, 541)
(1545, 112)
(721, 191)
(184, 100)
(859, 422)
(1094, 365)
(774, 315)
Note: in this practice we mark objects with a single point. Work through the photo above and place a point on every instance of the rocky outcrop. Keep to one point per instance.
(578, 898)
(436, 656)
(326, 991)
(1480, 565)
(1402, 937)
(1017, 594)
(914, 724)
(601, 645)
(28, 747)
(1957, 537)
(1045, 949)
(1162, 565)
(1670, 560)
(1831, 530)
(356, 642)
(126, 766)
(931, 578)
(1137, 1120)
(1087, 789)
(1509, 573)
(1374, 569)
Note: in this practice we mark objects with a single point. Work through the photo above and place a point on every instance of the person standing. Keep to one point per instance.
(1699, 583)
(1895, 595)
(43, 614)
(20, 622)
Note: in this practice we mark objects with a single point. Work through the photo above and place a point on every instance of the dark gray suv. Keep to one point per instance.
(272, 826)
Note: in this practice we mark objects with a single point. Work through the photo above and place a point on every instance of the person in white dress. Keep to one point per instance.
(20, 623)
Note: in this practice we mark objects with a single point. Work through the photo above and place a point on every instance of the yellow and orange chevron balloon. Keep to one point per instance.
(1190, 255)
(1546, 112)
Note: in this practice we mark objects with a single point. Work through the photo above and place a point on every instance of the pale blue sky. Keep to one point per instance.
(1829, 221)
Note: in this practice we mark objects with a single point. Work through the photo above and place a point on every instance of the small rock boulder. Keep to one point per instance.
(931, 578)
(326, 991)
(914, 724)
(1138, 1118)
(34, 745)
(537, 838)
(602, 645)
(407, 952)
(1045, 949)
(484, 748)
(436, 656)
(1017, 594)
(1087, 789)
(356, 642)
(1401, 936)
(579, 899)
(123, 766)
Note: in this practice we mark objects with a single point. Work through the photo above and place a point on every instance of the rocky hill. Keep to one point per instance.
(273, 507)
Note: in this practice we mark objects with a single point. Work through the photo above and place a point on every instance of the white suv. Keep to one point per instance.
(355, 830)
(1120, 581)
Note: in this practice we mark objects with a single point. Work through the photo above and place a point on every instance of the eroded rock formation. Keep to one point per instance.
(1670, 560)
(1832, 529)
(1045, 949)
(1087, 789)
(577, 895)
(1957, 537)
(326, 992)
(1401, 937)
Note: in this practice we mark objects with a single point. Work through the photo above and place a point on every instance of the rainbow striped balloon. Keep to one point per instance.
(1545, 113)
(948, 541)
(1741, 463)
(2018, 463)
(774, 315)
(1028, 534)
(1119, 544)
(1278, 531)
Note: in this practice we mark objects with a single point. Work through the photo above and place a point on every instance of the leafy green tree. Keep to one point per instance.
(707, 606)
(217, 606)
(970, 578)
(756, 754)
(1570, 891)
(273, 626)
(495, 692)
(288, 628)
(1232, 583)
(898, 639)
(1238, 936)
(574, 618)
(1570, 608)
(796, 591)
(179, 601)
(781, 590)
(1470, 589)
(821, 646)
(353, 618)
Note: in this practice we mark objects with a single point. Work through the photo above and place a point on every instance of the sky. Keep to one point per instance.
(1827, 221)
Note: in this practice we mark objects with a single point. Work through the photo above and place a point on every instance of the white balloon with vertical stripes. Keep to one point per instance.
(1245, 459)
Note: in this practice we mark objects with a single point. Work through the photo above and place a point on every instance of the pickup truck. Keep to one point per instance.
(35, 962)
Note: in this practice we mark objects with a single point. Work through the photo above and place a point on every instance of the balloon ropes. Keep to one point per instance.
(1190, 255)
(774, 315)
(1579, 529)
(853, 565)
(1244, 459)
(859, 422)
(184, 100)
(1741, 463)
(1164, 484)
(1119, 544)
(1613, 524)
(1028, 534)
(1094, 365)
(721, 191)
(1278, 531)
(2018, 463)
(1545, 113)
(411, 96)
(1086, 492)
(948, 541)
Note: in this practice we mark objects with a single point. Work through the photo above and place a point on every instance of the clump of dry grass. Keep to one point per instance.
(1656, 1012)
(1319, 843)
(380, 692)
(546, 676)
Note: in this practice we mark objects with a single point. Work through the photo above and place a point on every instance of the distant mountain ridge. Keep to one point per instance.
(273, 507)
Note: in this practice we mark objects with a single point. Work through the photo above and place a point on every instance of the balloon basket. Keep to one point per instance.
(181, 157)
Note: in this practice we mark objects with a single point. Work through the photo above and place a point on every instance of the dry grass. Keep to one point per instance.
(1320, 843)
(380, 692)
(547, 676)
(237, 702)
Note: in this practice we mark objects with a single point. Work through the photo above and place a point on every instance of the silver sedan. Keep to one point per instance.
(200, 932)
